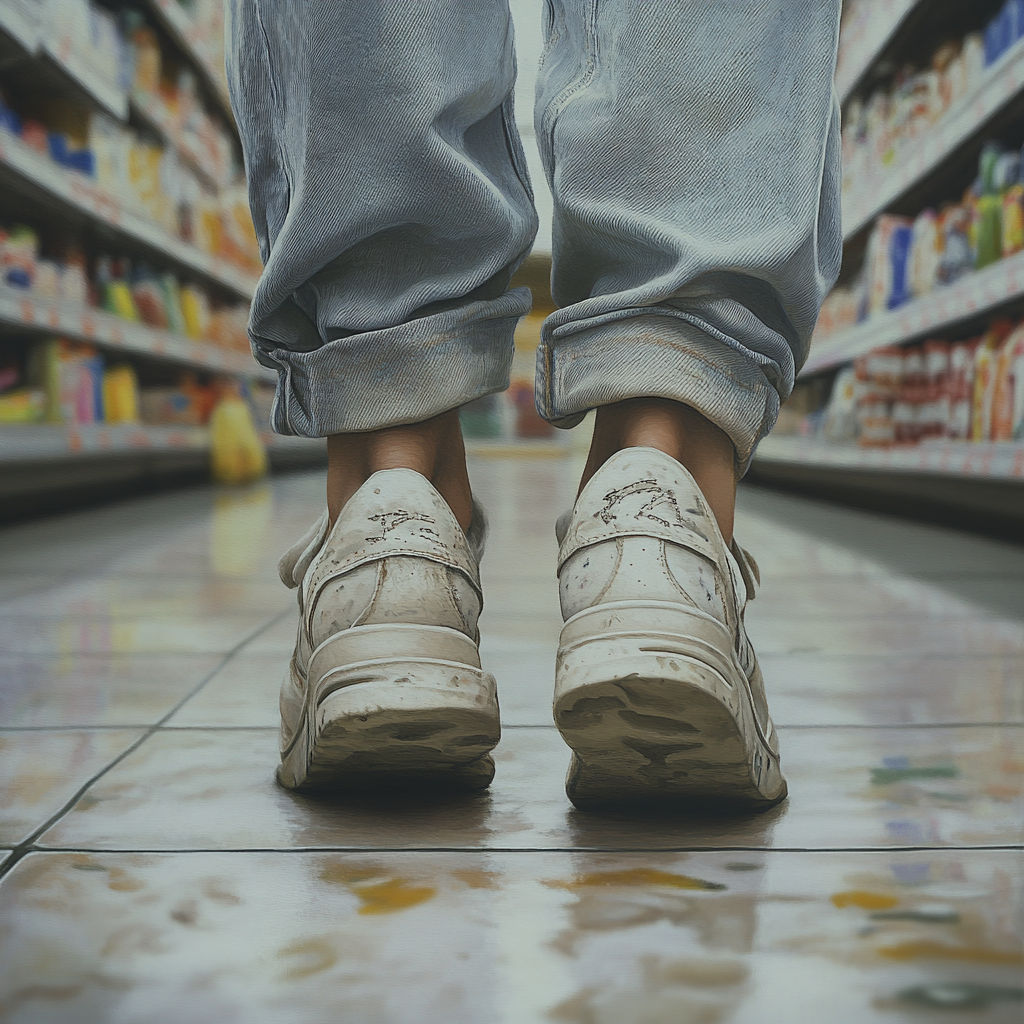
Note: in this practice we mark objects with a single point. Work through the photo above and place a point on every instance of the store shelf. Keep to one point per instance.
(189, 38)
(978, 293)
(46, 442)
(40, 442)
(22, 309)
(857, 55)
(70, 60)
(917, 158)
(37, 172)
(997, 460)
(53, 60)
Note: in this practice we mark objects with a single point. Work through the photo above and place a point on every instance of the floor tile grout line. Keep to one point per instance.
(199, 727)
(28, 843)
(678, 848)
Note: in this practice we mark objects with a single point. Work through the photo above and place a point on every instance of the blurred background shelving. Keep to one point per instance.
(127, 256)
(912, 398)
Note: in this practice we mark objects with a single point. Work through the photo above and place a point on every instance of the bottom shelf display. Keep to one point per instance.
(995, 460)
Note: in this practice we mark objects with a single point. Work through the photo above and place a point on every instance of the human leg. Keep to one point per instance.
(392, 204)
(692, 150)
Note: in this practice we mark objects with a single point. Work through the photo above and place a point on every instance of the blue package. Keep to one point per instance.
(17, 277)
(1015, 19)
(997, 36)
(9, 120)
(899, 265)
(80, 160)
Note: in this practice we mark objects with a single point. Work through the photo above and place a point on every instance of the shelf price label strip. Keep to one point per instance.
(976, 293)
(994, 460)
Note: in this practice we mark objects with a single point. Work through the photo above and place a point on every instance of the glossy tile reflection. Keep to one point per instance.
(183, 885)
(528, 937)
(210, 789)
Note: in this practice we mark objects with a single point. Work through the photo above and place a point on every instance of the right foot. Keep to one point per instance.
(385, 686)
(657, 688)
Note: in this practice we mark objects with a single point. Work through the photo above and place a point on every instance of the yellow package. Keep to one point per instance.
(195, 311)
(120, 395)
(23, 405)
(1013, 220)
(237, 455)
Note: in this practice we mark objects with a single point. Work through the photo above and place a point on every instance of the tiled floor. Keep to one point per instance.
(155, 874)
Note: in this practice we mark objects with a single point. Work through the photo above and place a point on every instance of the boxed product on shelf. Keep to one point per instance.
(907, 259)
(134, 291)
(140, 175)
(966, 390)
(877, 129)
(189, 403)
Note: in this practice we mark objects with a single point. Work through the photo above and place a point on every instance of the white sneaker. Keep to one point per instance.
(657, 688)
(385, 685)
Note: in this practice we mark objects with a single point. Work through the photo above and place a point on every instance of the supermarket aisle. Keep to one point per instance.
(168, 879)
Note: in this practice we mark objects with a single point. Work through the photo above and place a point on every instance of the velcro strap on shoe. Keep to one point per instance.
(647, 510)
(395, 514)
(299, 557)
(748, 569)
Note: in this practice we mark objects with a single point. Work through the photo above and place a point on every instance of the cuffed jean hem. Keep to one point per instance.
(655, 355)
(397, 375)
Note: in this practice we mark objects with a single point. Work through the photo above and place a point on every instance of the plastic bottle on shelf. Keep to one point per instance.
(989, 205)
(985, 359)
(115, 294)
(925, 253)
(148, 297)
(195, 311)
(120, 395)
(1008, 392)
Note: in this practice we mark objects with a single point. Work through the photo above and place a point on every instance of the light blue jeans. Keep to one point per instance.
(692, 149)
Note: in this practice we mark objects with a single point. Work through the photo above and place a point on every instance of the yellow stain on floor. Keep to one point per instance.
(120, 881)
(926, 948)
(392, 895)
(635, 877)
(864, 900)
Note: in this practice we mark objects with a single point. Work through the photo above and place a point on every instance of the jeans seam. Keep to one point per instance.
(561, 101)
(275, 92)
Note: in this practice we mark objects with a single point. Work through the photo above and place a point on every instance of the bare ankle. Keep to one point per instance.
(679, 431)
(433, 448)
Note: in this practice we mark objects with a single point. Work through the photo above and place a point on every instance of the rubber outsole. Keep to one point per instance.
(659, 719)
(395, 724)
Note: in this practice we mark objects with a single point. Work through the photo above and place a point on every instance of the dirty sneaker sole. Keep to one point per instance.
(655, 712)
(395, 722)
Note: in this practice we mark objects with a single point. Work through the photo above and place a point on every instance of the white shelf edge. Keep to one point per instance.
(80, 192)
(106, 95)
(84, 323)
(977, 293)
(48, 442)
(1002, 82)
(991, 460)
(40, 442)
(24, 30)
(847, 82)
